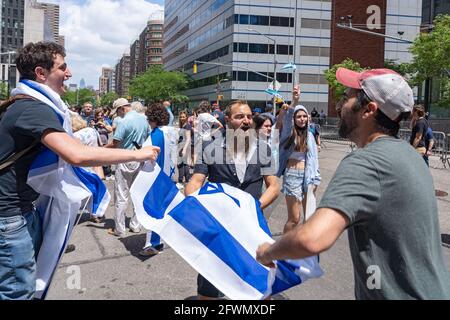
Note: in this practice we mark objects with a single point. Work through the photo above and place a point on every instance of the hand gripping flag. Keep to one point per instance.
(62, 189)
(217, 231)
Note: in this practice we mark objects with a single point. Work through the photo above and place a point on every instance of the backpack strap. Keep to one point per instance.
(15, 156)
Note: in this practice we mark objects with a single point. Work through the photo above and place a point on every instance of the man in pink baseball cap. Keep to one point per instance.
(382, 194)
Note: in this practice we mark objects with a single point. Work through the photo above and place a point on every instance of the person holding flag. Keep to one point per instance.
(382, 194)
(240, 164)
(39, 157)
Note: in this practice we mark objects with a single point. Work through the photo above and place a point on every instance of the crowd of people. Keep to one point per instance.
(382, 193)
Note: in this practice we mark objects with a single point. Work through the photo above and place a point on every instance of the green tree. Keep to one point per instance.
(431, 57)
(3, 90)
(157, 84)
(84, 95)
(401, 68)
(330, 75)
(431, 51)
(108, 98)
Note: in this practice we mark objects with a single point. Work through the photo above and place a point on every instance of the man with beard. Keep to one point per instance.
(382, 193)
(237, 161)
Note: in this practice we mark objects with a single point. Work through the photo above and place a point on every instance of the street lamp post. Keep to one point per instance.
(218, 90)
(274, 66)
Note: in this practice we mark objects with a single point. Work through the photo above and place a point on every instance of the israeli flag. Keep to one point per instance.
(289, 67)
(62, 189)
(165, 138)
(217, 231)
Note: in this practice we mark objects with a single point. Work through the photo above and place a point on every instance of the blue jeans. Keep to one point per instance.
(20, 239)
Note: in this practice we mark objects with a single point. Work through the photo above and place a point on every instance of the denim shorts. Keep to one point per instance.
(293, 183)
(20, 238)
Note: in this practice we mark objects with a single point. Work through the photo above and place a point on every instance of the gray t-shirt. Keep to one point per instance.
(387, 192)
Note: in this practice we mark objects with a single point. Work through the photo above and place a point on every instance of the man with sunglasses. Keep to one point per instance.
(382, 193)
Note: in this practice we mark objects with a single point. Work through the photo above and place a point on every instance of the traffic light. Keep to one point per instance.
(219, 97)
(194, 70)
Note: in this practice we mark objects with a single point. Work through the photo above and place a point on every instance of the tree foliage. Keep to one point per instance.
(157, 84)
(84, 95)
(330, 75)
(431, 52)
(108, 98)
(3, 90)
(431, 58)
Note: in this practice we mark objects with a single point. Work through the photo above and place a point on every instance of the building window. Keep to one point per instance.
(243, 19)
(264, 20)
(315, 51)
(316, 23)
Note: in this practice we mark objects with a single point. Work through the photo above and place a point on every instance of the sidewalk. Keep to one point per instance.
(112, 269)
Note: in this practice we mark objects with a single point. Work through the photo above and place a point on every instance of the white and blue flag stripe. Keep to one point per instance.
(217, 231)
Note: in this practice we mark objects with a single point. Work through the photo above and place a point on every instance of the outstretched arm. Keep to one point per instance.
(77, 154)
(318, 234)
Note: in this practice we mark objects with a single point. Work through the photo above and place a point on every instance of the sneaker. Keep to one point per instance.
(132, 230)
(151, 251)
(70, 248)
(97, 219)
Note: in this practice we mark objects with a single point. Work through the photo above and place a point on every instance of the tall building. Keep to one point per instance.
(82, 84)
(112, 81)
(52, 15)
(134, 58)
(248, 36)
(431, 8)
(150, 46)
(122, 76)
(12, 27)
(104, 80)
(37, 26)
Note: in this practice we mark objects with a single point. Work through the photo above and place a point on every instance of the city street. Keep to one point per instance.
(112, 269)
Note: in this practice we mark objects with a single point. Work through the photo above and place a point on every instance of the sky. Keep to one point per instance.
(98, 32)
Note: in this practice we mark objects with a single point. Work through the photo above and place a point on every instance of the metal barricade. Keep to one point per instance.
(330, 133)
(441, 147)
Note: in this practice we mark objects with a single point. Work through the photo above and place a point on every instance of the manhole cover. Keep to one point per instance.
(440, 193)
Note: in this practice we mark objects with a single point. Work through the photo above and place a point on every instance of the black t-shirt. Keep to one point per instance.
(420, 127)
(24, 122)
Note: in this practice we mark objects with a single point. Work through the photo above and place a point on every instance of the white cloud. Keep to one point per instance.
(98, 32)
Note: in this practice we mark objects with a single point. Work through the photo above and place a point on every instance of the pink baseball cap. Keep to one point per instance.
(384, 86)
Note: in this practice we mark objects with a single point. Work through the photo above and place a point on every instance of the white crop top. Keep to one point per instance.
(299, 156)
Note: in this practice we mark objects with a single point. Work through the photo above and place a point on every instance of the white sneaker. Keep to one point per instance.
(132, 230)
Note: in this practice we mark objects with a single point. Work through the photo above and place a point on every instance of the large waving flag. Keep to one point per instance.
(62, 189)
(217, 231)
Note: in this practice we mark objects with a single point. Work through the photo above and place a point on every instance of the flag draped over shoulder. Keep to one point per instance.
(217, 231)
(62, 189)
